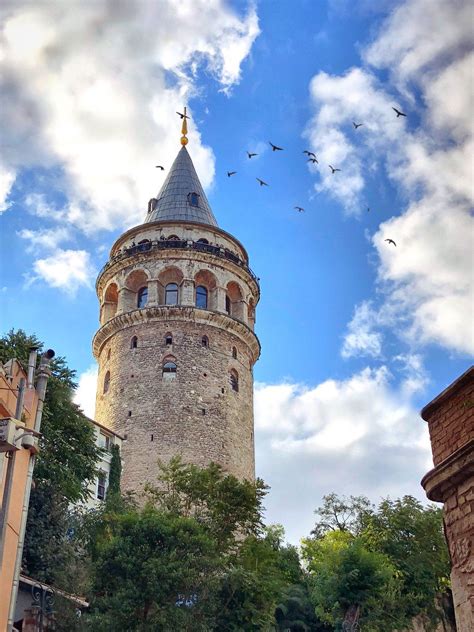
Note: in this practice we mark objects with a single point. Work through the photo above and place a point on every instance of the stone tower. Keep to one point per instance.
(176, 345)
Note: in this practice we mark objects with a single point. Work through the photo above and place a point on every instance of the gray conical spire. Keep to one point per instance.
(181, 197)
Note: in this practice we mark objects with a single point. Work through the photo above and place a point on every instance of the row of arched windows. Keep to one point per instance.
(171, 296)
(169, 371)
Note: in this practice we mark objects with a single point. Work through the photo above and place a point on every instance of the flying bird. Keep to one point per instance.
(300, 209)
(262, 183)
(390, 241)
(310, 154)
(368, 209)
(275, 147)
(356, 125)
(398, 112)
(183, 116)
(159, 167)
(333, 169)
(250, 155)
(231, 173)
(313, 160)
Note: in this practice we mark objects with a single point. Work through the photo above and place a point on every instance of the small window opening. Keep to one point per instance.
(168, 339)
(134, 342)
(193, 198)
(201, 297)
(169, 370)
(106, 382)
(227, 304)
(108, 354)
(173, 238)
(223, 390)
(151, 438)
(203, 410)
(234, 353)
(101, 482)
(202, 241)
(129, 413)
(142, 297)
(205, 341)
(234, 381)
(205, 374)
(171, 294)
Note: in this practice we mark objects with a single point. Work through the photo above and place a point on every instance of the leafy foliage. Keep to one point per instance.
(64, 466)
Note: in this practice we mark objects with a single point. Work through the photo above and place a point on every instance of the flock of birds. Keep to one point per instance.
(311, 158)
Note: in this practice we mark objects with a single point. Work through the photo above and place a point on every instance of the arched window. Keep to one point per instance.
(234, 380)
(173, 238)
(193, 198)
(234, 353)
(202, 241)
(201, 297)
(168, 339)
(227, 304)
(106, 382)
(142, 297)
(171, 294)
(108, 354)
(134, 342)
(169, 370)
(205, 341)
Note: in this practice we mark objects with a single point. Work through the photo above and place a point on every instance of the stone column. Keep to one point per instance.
(153, 300)
(187, 292)
(220, 298)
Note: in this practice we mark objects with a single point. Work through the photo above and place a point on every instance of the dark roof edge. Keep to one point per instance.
(458, 383)
(173, 222)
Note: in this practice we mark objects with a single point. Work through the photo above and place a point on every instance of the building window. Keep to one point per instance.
(168, 339)
(171, 294)
(173, 238)
(106, 382)
(169, 371)
(134, 342)
(205, 342)
(108, 354)
(105, 441)
(202, 241)
(234, 353)
(193, 198)
(234, 380)
(227, 304)
(142, 297)
(201, 297)
(101, 483)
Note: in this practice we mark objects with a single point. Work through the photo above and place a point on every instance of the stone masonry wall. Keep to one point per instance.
(197, 414)
(451, 425)
(450, 418)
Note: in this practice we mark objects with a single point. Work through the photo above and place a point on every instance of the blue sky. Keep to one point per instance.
(356, 334)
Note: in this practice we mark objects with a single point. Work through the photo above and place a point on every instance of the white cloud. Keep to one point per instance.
(48, 238)
(86, 391)
(361, 338)
(93, 89)
(7, 178)
(360, 435)
(67, 270)
(426, 283)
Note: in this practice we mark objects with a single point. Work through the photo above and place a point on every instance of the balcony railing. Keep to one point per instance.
(164, 244)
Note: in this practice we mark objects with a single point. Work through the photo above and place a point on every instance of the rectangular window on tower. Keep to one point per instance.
(105, 441)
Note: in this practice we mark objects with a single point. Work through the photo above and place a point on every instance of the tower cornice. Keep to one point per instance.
(177, 313)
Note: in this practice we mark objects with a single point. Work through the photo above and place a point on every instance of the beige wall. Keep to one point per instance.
(8, 397)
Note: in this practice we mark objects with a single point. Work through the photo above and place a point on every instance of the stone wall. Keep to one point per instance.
(450, 418)
(196, 412)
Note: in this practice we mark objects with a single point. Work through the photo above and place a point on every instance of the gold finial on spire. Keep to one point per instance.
(184, 128)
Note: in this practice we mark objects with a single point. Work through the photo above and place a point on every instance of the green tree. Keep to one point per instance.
(339, 513)
(64, 466)
(411, 535)
(344, 575)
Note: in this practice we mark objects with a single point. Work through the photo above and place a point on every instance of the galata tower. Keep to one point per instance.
(176, 344)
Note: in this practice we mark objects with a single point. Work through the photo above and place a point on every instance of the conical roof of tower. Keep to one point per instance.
(176, 201)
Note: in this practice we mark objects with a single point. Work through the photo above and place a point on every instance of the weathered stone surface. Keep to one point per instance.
(196, 414)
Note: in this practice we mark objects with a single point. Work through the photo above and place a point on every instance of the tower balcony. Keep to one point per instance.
(147, 246)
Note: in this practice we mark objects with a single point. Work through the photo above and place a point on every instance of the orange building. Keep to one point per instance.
(21, 405)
